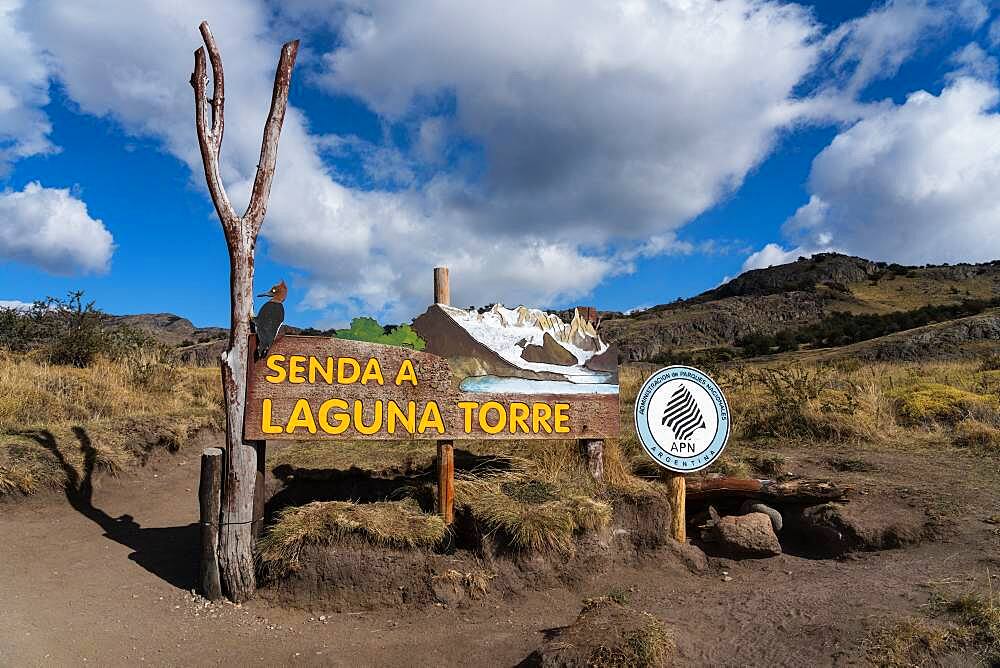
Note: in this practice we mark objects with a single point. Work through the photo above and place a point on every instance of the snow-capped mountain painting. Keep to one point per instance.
(520, 350)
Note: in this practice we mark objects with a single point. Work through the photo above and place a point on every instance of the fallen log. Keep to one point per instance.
(789, 491)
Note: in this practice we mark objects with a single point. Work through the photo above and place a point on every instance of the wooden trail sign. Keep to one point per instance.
(325, 388)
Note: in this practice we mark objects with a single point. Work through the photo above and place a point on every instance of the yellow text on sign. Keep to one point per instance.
(336, 416)
(298, 369)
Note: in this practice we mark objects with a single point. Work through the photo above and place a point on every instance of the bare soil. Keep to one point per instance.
(105, 578)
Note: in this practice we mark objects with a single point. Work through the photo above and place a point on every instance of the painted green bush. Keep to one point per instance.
(368, 329)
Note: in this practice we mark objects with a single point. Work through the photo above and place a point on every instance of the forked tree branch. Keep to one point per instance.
(210, 138)
(272, 129)
(209, 146)
(218, 100)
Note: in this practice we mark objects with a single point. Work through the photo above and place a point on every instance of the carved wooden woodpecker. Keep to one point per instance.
(270, 318)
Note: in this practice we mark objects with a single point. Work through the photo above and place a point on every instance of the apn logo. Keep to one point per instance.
(682, 415)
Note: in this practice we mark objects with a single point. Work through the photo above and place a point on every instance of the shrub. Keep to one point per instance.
(368, 329)
(71, 332)
(935, 402)
(972, 433)
(990, 362)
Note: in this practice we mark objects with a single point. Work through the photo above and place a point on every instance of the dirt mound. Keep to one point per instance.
(833, 529)
(606, 633)
(474, 563)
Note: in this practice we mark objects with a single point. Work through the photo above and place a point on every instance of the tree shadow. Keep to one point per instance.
(170, 553)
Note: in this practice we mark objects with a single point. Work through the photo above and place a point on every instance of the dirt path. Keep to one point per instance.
(109, 585)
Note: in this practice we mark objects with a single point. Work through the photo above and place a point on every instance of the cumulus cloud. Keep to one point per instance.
(24, 84)
(51, 229)
(914, 183)
(597, 120)
(599, 126)
(592, 132)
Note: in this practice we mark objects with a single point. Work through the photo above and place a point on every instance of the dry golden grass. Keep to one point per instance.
(908, 642)
(904, 293)
(533, 495)
(387, 523)
(531, 514)
(970, 624)
(51, 417)
(791, 402)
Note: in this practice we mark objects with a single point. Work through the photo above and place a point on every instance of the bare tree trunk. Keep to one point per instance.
(236, 554)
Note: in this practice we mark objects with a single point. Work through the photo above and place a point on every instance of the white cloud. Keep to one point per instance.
(972, 61)
(597, 121)
(914, 183)
(24, 83)
(14, 304)
(875, 45)
(772, 255)
(598, 129)
(600, 126)
(51, 229)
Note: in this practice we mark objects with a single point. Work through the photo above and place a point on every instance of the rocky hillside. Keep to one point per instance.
(195, 345)
(788, 301)
(789, 297)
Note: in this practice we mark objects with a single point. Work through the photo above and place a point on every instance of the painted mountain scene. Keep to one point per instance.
(521, 350)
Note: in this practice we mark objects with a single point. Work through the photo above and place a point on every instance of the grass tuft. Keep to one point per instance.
(387, 523)
(531, 514)
(908, 642)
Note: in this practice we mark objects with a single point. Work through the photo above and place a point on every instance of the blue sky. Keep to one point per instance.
(616, 155)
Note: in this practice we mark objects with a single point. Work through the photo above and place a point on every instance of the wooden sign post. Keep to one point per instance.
(446, 448)
(677, 493)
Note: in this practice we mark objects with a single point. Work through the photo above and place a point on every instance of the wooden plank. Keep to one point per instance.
(284, 381)
(209, 499)
(676, 484)
(791, 491)
(446, 480)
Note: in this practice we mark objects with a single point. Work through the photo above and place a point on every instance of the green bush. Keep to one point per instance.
(368, 329)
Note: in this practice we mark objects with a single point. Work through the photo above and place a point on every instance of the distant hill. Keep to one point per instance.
(790, 297)
(787, 300)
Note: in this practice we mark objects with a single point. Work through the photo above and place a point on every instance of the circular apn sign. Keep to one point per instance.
(682, 419)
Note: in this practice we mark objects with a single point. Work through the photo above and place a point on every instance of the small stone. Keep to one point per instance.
(726, 578)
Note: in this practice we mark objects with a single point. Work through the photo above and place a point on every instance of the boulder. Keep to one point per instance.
(740, 536)
(550, 352)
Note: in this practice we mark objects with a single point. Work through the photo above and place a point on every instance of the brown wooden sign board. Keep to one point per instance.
(316, 388)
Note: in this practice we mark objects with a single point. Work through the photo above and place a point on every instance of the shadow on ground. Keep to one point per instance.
(300, 486)
(170, 553)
